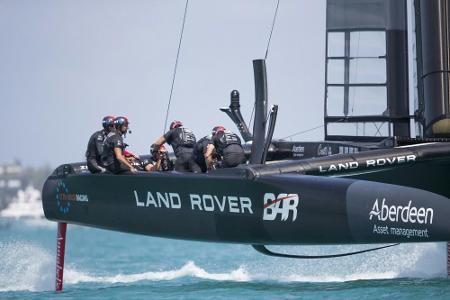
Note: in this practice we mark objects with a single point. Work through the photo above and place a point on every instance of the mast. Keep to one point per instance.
(259, 126)
(433, 48)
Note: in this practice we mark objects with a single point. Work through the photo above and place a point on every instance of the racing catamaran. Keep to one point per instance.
(371, 190)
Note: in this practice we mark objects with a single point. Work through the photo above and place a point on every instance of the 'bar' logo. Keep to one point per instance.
(284, 205)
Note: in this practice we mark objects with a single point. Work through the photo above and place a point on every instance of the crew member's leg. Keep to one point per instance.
(193, 166)
(93, 166)
(117, 168)
(182, 162)
(202, 165)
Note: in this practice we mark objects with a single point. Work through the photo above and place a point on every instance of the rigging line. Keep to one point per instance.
(308, 130)
(251, 116)
(304, 131)
(271, 30)
(267, 50)
(176, 65)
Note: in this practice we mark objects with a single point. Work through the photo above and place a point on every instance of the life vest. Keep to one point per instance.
(224, 139)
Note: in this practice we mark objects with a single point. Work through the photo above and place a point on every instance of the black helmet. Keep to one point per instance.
(119, 121)
(108, 121)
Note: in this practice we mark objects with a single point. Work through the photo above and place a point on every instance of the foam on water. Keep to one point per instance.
(25, 266)
(406, 260)
(188, 270)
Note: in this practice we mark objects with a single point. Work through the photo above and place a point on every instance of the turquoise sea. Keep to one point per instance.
(109, 265)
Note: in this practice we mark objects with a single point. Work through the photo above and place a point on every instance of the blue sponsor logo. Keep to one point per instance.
(63, 198)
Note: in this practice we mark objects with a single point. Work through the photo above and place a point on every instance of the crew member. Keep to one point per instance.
(159, 161)
(146, 164)
(163, 163)
(113, 158)
(204, 152)
(228, 147)
(182, 141)
(95, 146)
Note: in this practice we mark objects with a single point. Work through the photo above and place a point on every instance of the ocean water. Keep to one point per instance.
(110, 265)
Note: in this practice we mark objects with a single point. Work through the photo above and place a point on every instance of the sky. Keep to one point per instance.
(66, 64)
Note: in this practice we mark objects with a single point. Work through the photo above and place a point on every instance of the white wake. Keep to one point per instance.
(426, 260)
(28, 267)
(188, 270)
(25, 266)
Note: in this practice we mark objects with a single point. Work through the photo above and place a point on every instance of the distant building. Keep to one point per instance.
(12, 179)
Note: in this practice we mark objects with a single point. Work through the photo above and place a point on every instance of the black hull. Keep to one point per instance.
(237, 207)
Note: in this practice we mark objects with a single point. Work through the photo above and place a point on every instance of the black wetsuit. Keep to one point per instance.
(182, 141)
(94, 151)
(200, 150)
(109, 160)
(228, 146)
